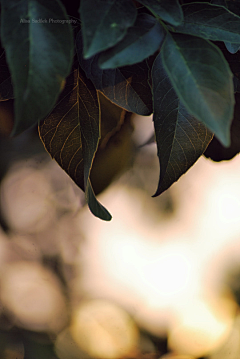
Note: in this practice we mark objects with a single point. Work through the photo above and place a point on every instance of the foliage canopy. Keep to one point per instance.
(179, 60)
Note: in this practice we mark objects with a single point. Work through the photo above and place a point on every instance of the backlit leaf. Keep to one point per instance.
(105, 23)
(142, 40)
(39, 55)
(210, 22)
(71, 134)
(168, 10)
(181, 139)
(128, 87)
(203, 81)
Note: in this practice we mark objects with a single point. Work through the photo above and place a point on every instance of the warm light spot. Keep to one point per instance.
(33, 295)
(104, 330)
(25, 199)
(201, 326)
(176, 356)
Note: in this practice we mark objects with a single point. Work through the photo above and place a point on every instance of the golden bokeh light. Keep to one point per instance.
(104, 330)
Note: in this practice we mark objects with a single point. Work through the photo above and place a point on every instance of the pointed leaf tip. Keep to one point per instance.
(71, 132)
(181, 139)
(104, 23)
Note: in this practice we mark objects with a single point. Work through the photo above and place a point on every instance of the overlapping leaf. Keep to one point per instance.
(181, 139)
(142, 40)
(71, 134)
(105, 23)
(203, 81)
(210, 22)
(39, 55)
(234, 7)
(128, 87)
(168, 10)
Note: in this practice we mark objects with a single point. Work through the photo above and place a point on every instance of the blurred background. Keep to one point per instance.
(161, 280)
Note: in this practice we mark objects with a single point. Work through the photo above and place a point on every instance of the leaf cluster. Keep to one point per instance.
(176, 59)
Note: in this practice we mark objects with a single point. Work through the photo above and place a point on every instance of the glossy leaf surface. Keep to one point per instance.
(210, 22)
(181, 139)
(142, 40)
(105, 23)
(203, 81)
(39, 55)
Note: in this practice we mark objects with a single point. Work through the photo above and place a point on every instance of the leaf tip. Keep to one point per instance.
(103, 214)
(224, 138)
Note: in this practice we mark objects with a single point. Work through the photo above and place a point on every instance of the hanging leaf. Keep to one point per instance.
(142, 40)
(39, 55)
(215, 150)
(128, 87)
(210, 22)
(203, 81)
(105, 23)
(168, 10)
(71, 133)
(181, 139)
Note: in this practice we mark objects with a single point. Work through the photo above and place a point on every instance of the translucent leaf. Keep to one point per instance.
(71, 133)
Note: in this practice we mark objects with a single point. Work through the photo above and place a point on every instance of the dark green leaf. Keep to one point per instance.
(127, 87)
(71, 134)
(210, 22)
(105, 23)
(203, 81)
(39, 55)
(181, 139)
(216, 151)
(233, 48)
(232, 59)
(168, 10)
(142, 40)
(235, 8)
